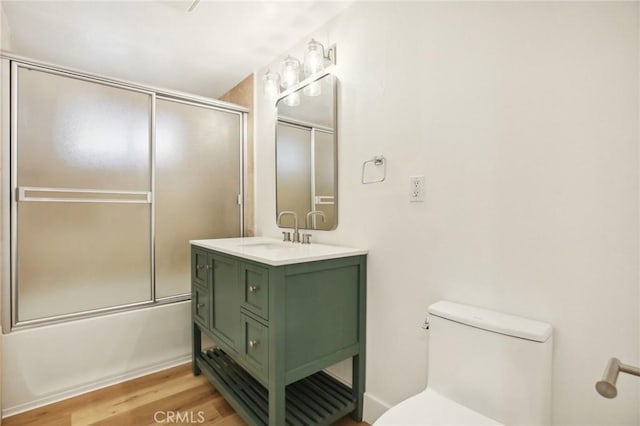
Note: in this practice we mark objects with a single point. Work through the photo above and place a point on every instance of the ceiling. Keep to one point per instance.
(160, 43)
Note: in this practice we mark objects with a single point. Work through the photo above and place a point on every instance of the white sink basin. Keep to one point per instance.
(270, 245)
(274, 252)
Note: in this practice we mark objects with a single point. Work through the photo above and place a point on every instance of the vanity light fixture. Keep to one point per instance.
(315, 60)
(313, 63)
(290, 72)
(271, 84)
(290, 77)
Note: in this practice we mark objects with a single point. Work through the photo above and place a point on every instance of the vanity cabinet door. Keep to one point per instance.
(225, 321)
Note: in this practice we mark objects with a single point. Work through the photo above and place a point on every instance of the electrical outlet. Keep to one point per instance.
(416, 189)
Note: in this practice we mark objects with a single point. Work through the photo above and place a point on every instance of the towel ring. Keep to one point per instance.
(378, 160)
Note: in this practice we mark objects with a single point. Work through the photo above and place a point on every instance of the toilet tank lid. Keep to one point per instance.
(497, 322)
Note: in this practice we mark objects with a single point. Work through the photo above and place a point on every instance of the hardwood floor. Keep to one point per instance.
(169, 397)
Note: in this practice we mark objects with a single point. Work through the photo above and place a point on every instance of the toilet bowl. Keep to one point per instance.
(430, 408)
(484, 368)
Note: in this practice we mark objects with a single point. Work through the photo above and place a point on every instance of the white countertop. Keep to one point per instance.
(275, 252)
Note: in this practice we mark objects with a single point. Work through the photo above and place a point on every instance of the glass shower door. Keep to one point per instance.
(83, 203)
(197, 184)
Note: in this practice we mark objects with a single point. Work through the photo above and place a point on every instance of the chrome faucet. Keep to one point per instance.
(296, 234)
(312, 213)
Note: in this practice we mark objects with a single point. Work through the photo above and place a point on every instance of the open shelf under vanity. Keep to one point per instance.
(318, 399)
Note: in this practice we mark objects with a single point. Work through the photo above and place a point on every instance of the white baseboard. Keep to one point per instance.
(99, 384)
(373, 408)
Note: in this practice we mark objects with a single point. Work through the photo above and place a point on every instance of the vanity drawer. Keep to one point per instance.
(255, 289)
(199, 266)
(200, 305)
(256, 347)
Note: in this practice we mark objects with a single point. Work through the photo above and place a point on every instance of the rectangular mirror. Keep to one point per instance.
(306, 156)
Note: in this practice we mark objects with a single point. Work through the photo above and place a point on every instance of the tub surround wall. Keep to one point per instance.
(46, 364)
(524, 119)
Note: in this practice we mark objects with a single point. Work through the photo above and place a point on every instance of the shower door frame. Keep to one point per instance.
(10, 192)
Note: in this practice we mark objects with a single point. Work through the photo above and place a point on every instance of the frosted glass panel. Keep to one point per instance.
(325, 178)
(74, 257)
(293, 172)
(78, 134)
(197, 185)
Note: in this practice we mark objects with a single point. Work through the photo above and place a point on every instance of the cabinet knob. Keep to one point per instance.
(253, 343)
(200, 305)
(208, 266)
(253, 289)
(199, 266)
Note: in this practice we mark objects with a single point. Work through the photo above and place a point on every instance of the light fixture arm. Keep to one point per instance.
(331, 54)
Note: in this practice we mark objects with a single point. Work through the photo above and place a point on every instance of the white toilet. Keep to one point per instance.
(485, 368)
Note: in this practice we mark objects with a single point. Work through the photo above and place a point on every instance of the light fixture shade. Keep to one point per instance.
(271, 84)
(292, 100)
(313, 58)
(313, 89)
(290, 72)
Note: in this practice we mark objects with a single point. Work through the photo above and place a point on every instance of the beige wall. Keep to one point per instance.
(523, 116)
(242, 94)
(5, 42)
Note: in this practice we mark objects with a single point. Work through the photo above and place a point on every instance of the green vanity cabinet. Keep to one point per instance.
(255, 289)
(216, 296)
(276, 329)
(225, 298)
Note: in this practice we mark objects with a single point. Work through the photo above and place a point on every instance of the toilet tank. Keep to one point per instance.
(496, 364)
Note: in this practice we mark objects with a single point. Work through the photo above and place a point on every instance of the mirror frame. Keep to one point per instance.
(298, 87)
